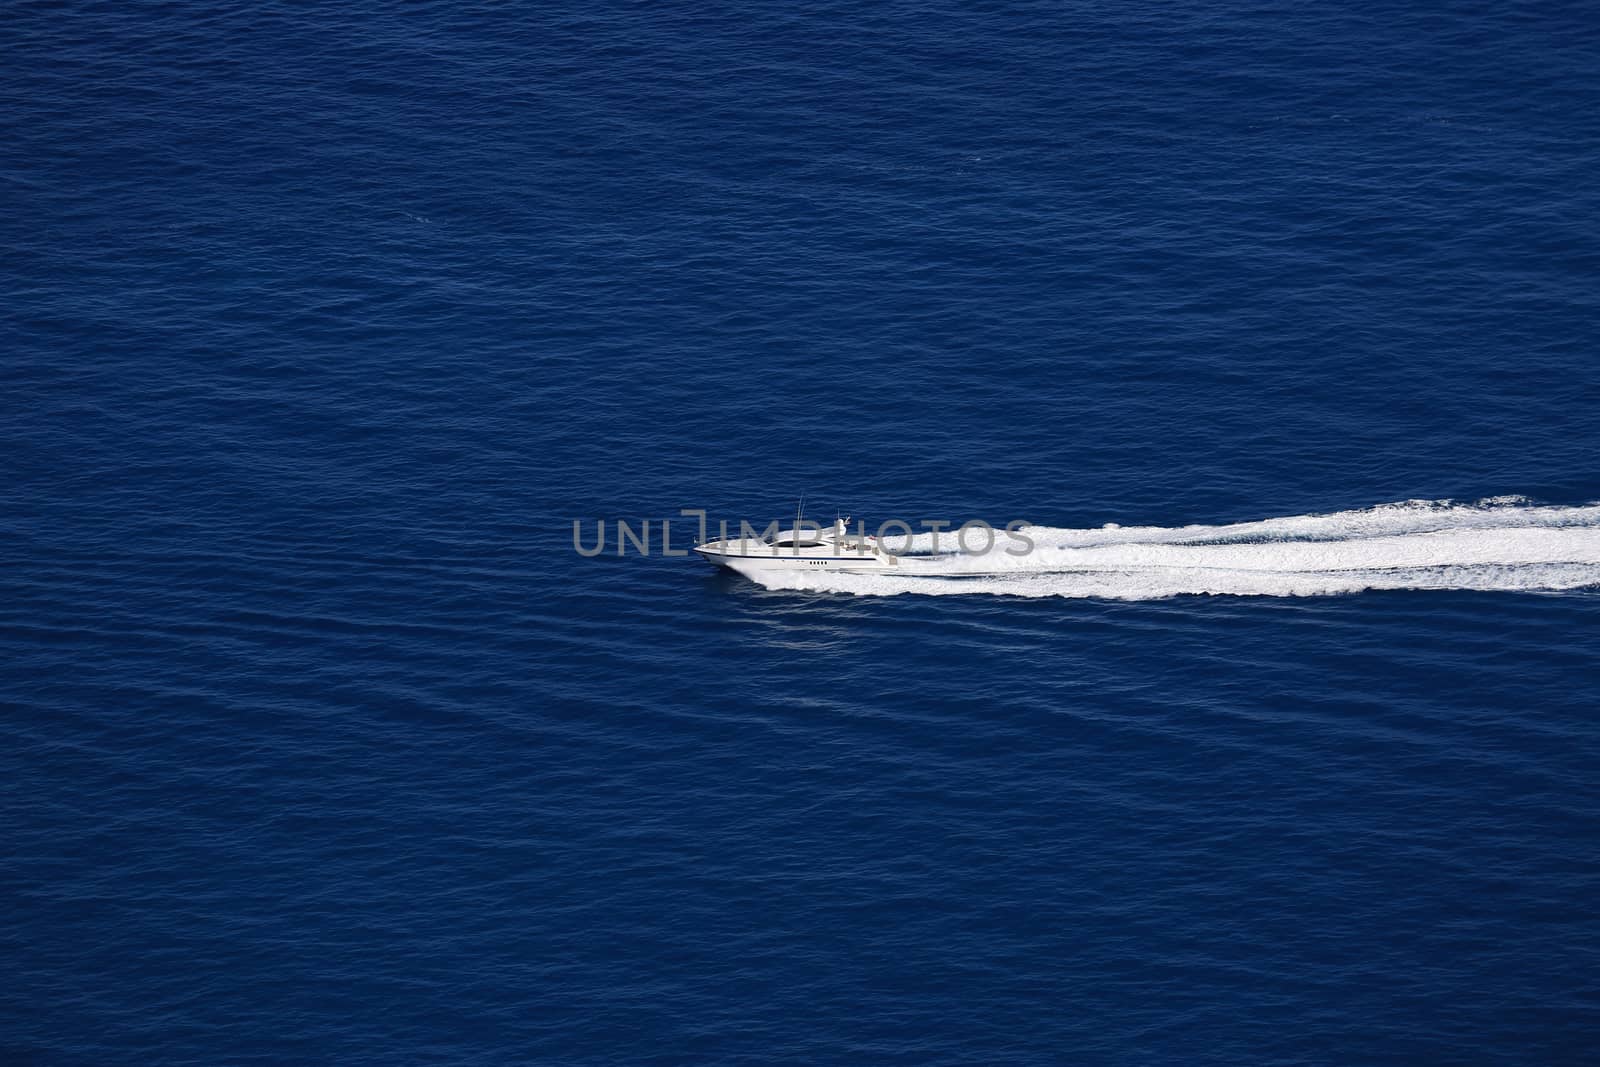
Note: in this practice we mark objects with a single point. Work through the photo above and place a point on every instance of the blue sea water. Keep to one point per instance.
(323, 323)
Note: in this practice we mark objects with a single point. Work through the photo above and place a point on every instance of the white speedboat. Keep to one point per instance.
(808, 548)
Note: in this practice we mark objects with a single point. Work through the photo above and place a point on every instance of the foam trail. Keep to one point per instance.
(1506, 543)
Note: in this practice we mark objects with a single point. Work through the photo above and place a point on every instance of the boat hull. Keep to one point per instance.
(751, 564)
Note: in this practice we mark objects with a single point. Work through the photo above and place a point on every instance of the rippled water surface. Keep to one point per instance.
(325, 322)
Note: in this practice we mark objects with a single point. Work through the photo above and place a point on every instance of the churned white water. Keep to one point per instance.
(1502, 544)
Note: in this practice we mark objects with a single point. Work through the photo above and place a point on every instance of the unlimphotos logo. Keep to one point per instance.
(893, 537)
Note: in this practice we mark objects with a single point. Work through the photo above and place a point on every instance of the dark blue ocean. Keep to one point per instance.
(323, 323)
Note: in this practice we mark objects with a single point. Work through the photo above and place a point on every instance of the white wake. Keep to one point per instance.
(1507, 543)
